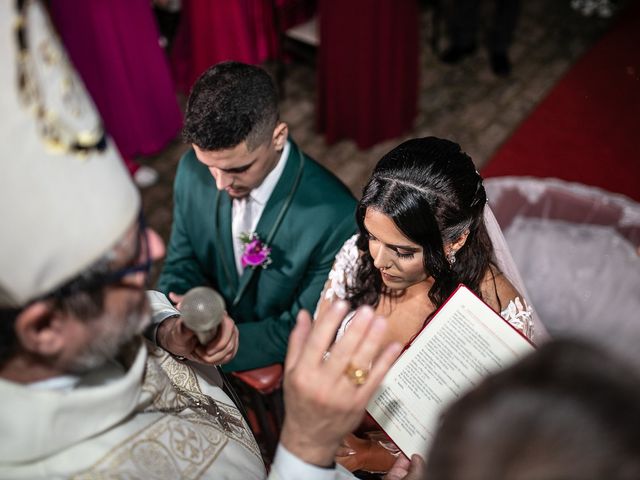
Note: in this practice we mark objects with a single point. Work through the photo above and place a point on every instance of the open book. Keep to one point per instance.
(464, 342)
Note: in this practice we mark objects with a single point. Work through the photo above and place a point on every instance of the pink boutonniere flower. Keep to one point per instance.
(256, 253)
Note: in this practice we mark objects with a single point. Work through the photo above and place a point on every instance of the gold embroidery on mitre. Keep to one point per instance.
(50, 88)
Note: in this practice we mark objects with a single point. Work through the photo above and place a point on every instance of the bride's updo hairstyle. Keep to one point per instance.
(431, 190)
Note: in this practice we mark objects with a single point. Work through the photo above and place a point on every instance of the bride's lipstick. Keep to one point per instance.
(391, 278)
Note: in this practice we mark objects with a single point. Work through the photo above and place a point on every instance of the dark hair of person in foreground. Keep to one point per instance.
(570, 411)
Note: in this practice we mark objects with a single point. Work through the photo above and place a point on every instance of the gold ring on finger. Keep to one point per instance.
(357, 376)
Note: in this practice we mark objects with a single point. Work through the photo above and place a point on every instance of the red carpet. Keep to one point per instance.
(587, 129)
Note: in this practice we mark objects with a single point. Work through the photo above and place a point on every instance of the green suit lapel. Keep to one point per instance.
(275, 210)
(224, 239)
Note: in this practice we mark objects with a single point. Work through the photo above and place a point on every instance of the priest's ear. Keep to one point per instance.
(40, 329)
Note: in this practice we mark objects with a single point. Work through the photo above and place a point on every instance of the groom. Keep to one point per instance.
(244, 180)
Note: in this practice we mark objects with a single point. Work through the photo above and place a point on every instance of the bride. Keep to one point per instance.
(422, 232)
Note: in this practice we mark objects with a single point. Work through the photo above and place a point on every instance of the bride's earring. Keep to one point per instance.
(451, 257)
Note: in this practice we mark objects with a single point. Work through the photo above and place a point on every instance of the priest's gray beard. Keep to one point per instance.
(110, 337)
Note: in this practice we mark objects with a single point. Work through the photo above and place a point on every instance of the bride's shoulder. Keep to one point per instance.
(351, 244)
(348, 254)
(503, 297)
(341, 276)
(497, 290)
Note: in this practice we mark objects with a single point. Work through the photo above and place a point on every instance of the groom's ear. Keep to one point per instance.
(280, 134)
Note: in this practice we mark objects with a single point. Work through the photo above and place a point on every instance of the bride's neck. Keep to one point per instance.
(418, 290)
(406, 311)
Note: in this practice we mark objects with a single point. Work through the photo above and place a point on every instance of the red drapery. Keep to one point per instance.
(213, 31)
(368, 69)
(586, 129)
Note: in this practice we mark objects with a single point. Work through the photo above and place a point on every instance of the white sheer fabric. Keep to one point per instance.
(582, 275)
(577, 247)
(528, 323)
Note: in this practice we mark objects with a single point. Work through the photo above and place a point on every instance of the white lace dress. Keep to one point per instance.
(342, 275)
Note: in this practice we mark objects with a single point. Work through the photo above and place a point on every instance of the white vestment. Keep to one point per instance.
(155, 419)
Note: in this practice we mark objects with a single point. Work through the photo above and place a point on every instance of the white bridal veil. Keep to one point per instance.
(508, 267)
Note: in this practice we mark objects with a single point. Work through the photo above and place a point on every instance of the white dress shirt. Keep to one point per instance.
(246, 211)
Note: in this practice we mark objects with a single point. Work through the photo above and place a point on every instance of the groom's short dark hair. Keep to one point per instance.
(230, 103)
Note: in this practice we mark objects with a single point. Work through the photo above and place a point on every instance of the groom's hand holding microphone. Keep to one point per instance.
(203, 332)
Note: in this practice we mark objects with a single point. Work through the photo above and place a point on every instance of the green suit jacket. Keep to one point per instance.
(308, 216)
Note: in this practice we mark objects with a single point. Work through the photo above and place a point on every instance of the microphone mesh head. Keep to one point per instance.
(202, 309)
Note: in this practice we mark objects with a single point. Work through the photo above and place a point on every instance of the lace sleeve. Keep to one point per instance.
(519, 314)
(342, 274)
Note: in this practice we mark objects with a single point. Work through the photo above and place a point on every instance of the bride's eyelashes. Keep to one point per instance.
(404, 256)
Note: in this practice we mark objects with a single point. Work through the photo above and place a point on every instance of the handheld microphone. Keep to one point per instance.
(202, 309)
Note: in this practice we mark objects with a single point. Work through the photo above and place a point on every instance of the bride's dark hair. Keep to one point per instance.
(431, 190)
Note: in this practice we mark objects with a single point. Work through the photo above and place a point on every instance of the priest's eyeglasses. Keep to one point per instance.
(96, 280)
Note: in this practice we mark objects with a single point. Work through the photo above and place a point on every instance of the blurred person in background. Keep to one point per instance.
(114, 46)
(462, 17)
